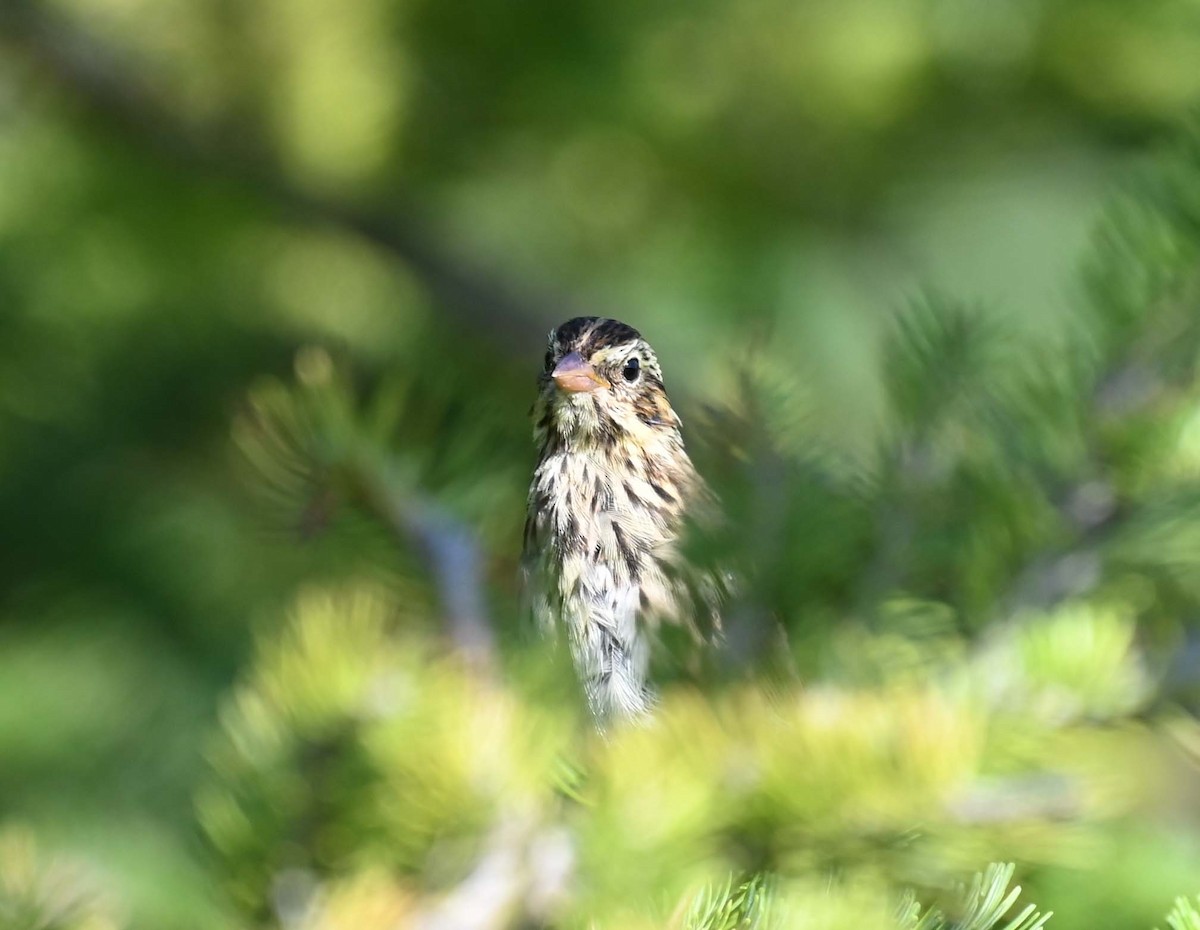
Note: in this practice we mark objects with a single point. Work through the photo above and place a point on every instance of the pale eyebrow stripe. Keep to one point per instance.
(621, 351)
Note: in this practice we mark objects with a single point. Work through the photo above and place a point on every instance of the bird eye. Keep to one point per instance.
(631, 369)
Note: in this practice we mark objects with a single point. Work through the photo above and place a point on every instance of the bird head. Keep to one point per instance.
(601, 382)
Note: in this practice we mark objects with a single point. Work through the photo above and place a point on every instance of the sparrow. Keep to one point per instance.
(607, 505)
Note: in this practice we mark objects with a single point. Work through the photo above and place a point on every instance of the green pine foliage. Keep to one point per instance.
(757, 905)
(959, 666)
(40, 892)
(357, 747)
(367, 764)
(1184, 915)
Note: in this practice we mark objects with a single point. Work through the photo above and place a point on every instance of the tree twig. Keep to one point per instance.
(453, 555)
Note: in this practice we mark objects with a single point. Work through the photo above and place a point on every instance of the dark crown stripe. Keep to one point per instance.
(588, 334)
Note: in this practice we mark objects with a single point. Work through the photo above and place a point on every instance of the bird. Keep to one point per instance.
(608, 502)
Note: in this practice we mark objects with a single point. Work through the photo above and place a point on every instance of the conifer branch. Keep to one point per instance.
(305, 444)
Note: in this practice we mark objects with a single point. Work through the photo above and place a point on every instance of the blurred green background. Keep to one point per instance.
(198, 196)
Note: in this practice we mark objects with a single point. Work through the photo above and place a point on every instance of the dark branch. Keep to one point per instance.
(496, 308)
